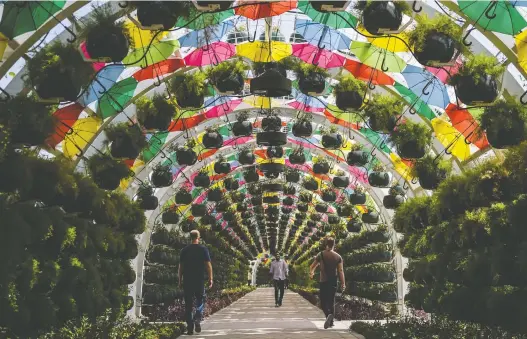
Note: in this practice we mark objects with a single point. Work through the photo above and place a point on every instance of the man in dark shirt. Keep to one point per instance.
(193, 260)
(330, 264)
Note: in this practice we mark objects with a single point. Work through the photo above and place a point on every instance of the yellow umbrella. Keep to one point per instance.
(138, 164)
(257, 101)
(391, 43)
(140, 38)
(82, 131)
(262, 51)
(446, 135)
(3, 45)
(400, 167)
(521, 49)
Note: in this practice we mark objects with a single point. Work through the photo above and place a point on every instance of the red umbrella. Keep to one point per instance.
(183, 124)
(65, 118)
(211, 54)
(264, 10)
(364, 72)
(158, 69)
(465, 123)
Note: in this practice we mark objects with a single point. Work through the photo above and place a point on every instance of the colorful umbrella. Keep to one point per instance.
(21, 17)
(3, 45)
(496, 15)
(521, 49)
(393, 42)
(415, 102)
(104, 80)
(445, 72)
(426, 86)
(151, 54)
(211, 54)
(321, 35)
(206, 36)
(264, 51)
(313, 55)
(82, 132)
(65, 118)
(334, 20)
(263, 10)
(367, 73)
(465, 123)
(159, 69)
(116, 98)
(450, 138)
(376, 57)
(198, 20)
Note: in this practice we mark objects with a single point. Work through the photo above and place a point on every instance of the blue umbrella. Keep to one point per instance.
(308, 100)
(426, 86)
(321, 35)
(104, 80)
(207, 35)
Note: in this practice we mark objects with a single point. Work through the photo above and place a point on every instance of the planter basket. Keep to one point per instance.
(321, 168)
(302, 129)
(251, 176)
(302, 207)
(288, 201)
(271, 123)
(271, 138)
(297, 159)
(312, 84)
(161, 177)
(246, 158)
(333, 219)
(201, 180)
(230, 84)
(485, 91)
(438, 47)
(306, 198)
(379, 179)
(222, 206)
(107, 41)
(341, 181)
(242, 128)
(381, 15)
(215, 195)
(328, 6)
(189, 100)
(345, 210)
(199, 210)
(231, 184)
(273, 187)
(170, 217)
(286, 210)
(320, 208)
(124, 147)
(271, 167)
(300, 216)
(271, 200)
(290, 190)
(292, 177)
(207, 219)
(271, 84)
(392, 201)
(148, 203)
(156, 13)
(332, 141)
(185, 156)
(430, 182)
(411, 150)
(311, 185)
(329, 196)
(370, 217)
(358, 198)
(346, 101)
(357, 158)
(222, 167)
(228, 216)
(275, 152)
(183, 198)
(256, 200)
(212, 140)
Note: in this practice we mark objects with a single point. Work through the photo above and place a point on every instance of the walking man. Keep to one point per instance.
(330, 264)
(278, 271)
(193, 260)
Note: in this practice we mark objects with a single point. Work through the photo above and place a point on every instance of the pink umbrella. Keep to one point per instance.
(211, 54)
(321, 57)
(222, 109)
(96, 65)
(307, 108)
(442, 73)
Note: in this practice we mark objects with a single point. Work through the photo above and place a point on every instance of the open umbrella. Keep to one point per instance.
(416, 104)
(450, 138)
(377, 57)
(313, 55)
(65, 118)
(426, 86)
(464, 122)
(3, 45)
(105, 79)
(321, 35)
(496, 15)
(211, 54)
(159, 69)
(82, 131)
(255, 10)
(20, 17)
(198, 20)
(116, 98)
(392, 42)
(367, 73)
(207, 35)
(151, 54)
(334, 20)
(521, 49)
(264, 51)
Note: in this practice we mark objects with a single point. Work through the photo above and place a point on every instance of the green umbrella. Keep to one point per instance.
(156, 52)
(376, 57)
(418, 105)
(497, 16)
(115, 98)
(199, 20)
(375, 139)
(156, 141)
(20, 17)
(335, 20)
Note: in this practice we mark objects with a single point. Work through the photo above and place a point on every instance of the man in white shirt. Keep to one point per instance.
(279, 271)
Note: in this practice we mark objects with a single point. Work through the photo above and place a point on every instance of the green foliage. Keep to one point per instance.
(429, 167)
(306, 69)
(157, 106)
(382, 108)
(506, 115)
(356, 147)
(437, 24)
(371, 254)
(412, 215)
(476, 66)
(101, 18)
(363, 239)
(189, 83)
(226, 69)
(101, 163)
(401, 5)
(349, 83)
(125, 131)
(411, 132)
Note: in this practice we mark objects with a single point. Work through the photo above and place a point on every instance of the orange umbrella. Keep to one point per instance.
(365, 72)
(264, 10)
(64, 120)
(158, 69)
(465, 123)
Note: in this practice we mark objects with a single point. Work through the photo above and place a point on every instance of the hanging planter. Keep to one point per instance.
(188, 225)
(221, 205)
(198, 210)
(297, 157)
(356, 156)
(254, 189)
(189, 89)
(329, 195)
(379, 17)
(311, 79)
(170, 216)
(161, 176)
(207, 219)
(273, 209)
(310, 184)
(306, 197)
(183, 196)
(271, 169)
(321, 208)
(302, 127)
(106, 39)
(476, 80)
(298, 222)
(286, 210)
(504, 123)
(431, 171)
(221, 166)
(392, 201)
(275, 152)
(397, 189)
(344, 210)
(321, 165)
(186, 156)
(341, 180)
(246, 157)
(292, 175)
(370, 217)
(212, 139)
(271, 84)
(146, 199)
(214, 6)
(358, 197)
(288, 201)
(289, 190)
(215, 194)
(241, 207)
(378, 177)
(411, 139)
(271, 123)
(302, 207)
(251, 175)
(228, 77)
(300, 216)
(354, 226)
(155, 113)
(349, 93)
(329, 6)
(237, 197)
(435, 40)
(242, 127)
(163, 15)
(202, 179)
(273, 187)
(107, 172)
(256, 200)
(330, 138)
(58, 71)
(382, 112)
(333, 219)
(231, 184)
(315, 217)
(271, 138)
(125, 141)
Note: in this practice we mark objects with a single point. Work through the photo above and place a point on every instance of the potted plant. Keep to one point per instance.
(297, 156)
(306, 197)
(379, 177)
(333, 219)
(242, 127)
(189, 89)
(215, 194)
(254, 189)
(331, 139)
(310, 184)
(476, 80)
(354, 226)
(358, 197)
(221, 205)
(275, 152)
(289, 190)
(357, 156)
(435, 39)
(370, 216)
(272, 82)
(344, 210)
(411, 139)
(145, 198)
(382, 112)
(246, 156)
(155, 113)
(430, 171)
(292, 175)
(202, 179)
(250, 175)
(207, 219)
(161, 14)
(161, 176)
(183, 196)
(188, 225)
(221, 166)
(231, 184)
(198, 210)
(170, 216)
(237, 197)
(379, 17)
(504, 123)
(106, 171)
(285, 211)
(303, 207)
(186, 156)
(271, 122)
(125, 141)
(58, 71)
(106, 38)
(300, 216)
(392, 201)
(329, 195)
(228, 77)
(212, 139)
(315, 217)
(288, 201)
(321, 208)
(341, 180)
(298, 222)
(311, 78)
(256, 200)
(349, 93)
(321, 165)
(330, 6)
(396, 189)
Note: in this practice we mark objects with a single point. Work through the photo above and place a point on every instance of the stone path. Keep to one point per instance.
(255, 316)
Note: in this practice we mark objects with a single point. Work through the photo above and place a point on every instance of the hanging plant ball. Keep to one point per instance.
(271, 123)
(292, 177)
(438, 47)
(246, 157)
(256, 200)
(370, 217)
(379, 179)
(242, 128)
(346, 101)
(357, 158)
(271, 199)
(303, 207)
(126, 141)
(231, 84)
(302, 129)
(411, 149)
(286, 210)
(311, 185)
(381, 15)
(221, 205)
(341, 181)
(183, 197)
(148, 203)
(212, 139)
(107, 40)
(392, 201)
(207, 219)
(106, 171)
(329, 196)
(378, 126)
(201, 180)
(155, 113)
(271, 138)
(198, 210)
(222, 167)
(328, 6)
(298, 222)
(251, 176)
(241, 207)
(485, 90)
(157, 13)
(288, 201)
(228, 216)
(312, 84)
(275, 152)
(231, 184)
(358, 198)
(272, 168)
(186, 156)
(354, 226)
(321, 208)
(315, 217)
(333, 219)
(504, 123)
(170, 216)
(188, 225)
(290, 190)
(297, 158)
(332, 140)
(215, 195)
(271, 84)
(344, 210)
(321, 168)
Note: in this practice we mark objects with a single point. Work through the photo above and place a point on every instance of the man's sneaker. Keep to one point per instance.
(197, 327)
(190, 332)
(328, 322)
(276, 305)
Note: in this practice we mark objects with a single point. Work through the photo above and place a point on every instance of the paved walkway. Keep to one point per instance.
(255, 316)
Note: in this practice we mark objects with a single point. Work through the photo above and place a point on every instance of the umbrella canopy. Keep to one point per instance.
(198, 20)
(426, 86)
(377, 57)
(211, 54)
(451, 138)
(159, 69)
(321, 35)
(65, 118)
(141, 37)
(521, 49)
(3, 45)
(105, 79)
(20, 17)
(367, 73)
(206, 36)
(465, 123)
(418, 105)
(82, 131)
(115, 98)
(393, 42)
(151, 54)
(264, 51)
(334, 20)
(263, 10)
(313, 55)
(497, 16)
